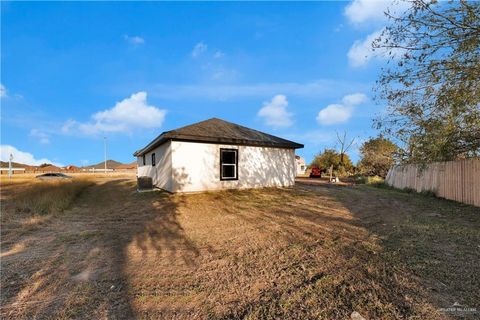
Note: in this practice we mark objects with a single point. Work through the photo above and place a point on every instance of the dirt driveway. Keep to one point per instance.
(309, 252)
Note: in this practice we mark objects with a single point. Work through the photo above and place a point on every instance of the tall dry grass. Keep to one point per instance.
(49, 197)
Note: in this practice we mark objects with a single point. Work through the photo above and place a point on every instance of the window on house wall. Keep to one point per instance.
(228, 164)
(144, 161)
(153, 159)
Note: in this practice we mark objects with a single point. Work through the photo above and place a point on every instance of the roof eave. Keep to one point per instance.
(153, 145)
(241, 142)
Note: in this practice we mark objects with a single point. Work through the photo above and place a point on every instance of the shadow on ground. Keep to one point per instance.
(309, 252)
(74, 267)
(335, 265)
(430, 239)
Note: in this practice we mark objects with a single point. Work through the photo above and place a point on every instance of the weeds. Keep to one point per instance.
(379, 182)
(49, 197)
(372, 180)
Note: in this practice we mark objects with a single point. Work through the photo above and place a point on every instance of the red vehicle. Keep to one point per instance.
(315, 172)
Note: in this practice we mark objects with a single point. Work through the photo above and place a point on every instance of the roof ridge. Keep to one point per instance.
(216, 130)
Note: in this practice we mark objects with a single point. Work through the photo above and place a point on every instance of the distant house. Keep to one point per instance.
(216, 154)
(16, 168)
(300, 165)
(71, 168)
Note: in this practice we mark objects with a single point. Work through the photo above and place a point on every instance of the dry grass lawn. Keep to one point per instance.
(309, 252)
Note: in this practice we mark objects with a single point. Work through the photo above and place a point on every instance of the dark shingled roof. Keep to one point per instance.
(222, 132)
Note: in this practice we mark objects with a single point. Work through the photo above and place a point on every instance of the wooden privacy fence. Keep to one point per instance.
(454, 180)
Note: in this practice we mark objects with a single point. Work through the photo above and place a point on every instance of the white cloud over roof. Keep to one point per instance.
(275, 112)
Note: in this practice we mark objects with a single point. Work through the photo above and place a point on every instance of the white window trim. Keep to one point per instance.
(234, 165)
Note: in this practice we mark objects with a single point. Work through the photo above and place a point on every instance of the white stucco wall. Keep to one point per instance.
(196, 167)
(301, 166)
(161, 173)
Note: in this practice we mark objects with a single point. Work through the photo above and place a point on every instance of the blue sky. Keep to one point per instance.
(72, 73)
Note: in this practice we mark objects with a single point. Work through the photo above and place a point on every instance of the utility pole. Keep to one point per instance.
(105, 152)
(10, 166)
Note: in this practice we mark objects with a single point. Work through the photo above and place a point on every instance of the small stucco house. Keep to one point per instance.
(215, 154)
(300, 165)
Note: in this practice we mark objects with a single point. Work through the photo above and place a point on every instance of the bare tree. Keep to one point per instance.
(344, 145)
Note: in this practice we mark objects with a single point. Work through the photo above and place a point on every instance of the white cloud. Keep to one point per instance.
(275, 112)
(68, 126)
(334, 113)
(199, 49)
(40, 135)
(372, 12)
(354, 99)
(22, 157)
(218, 54)
(127, 115)
(211, 66)
(3, 91)
(364, 11)
(323, 88)
(313, 138)
(223, 73)
(362, 52)
(134, 39)
(340, 113)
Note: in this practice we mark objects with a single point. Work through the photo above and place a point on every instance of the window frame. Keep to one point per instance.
(153, 159)
(235, 165)
(144, 159)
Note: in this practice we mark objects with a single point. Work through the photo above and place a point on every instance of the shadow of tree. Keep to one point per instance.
(437, 236)
(297, 253)
(424, 241)
(76, 266)
(341, 266)
(195, 167)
